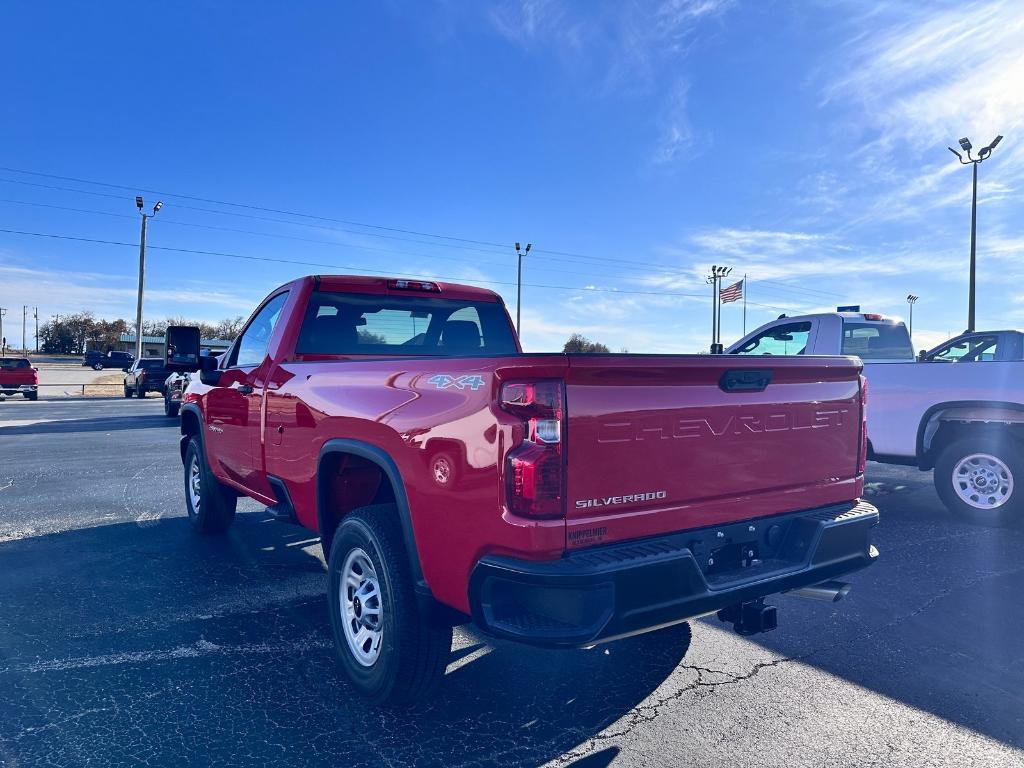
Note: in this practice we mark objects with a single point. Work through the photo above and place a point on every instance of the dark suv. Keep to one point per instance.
(98, 360)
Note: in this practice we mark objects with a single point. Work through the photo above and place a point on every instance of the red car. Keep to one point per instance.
(17, 375)
(558, 500)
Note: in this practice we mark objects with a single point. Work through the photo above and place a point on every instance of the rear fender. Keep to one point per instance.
(978, 412)
(386, 464)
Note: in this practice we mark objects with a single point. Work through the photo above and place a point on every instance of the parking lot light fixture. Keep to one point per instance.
(966, 146)
(139, 203)
(911, 300)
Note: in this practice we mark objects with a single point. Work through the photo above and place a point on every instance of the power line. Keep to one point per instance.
(305, 239)
(252, 207)
(566, 256)
(358, 269)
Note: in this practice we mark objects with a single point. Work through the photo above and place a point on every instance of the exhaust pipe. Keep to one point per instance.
(828, 591)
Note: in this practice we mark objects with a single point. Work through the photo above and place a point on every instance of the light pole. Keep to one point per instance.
(35, 314)
(911, 300)
(965, 145)
(3, 339)
(24, 317)
(519, 285)
(715, 281)
(142, 271)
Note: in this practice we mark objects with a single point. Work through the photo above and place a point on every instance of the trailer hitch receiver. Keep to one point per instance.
(750, 618)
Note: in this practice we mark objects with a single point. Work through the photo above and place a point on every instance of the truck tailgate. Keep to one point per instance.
(660, 444)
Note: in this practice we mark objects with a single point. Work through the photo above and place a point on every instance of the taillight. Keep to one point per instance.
(863, 457)
(534, 475)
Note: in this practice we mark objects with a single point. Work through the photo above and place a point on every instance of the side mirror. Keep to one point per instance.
(209, 374)
(922, 356)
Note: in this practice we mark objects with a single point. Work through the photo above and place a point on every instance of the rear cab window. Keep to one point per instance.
(338, 323)
(148, 363)
(14, 363)
(877, 341)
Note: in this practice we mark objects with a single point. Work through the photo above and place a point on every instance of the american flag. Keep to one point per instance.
(733, 293)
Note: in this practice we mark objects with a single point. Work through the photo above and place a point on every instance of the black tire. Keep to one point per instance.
(140, 392)
(171, 409)
(216, 509)
(31, 395)
(1005, 461)
(413, 654)
(127, 392)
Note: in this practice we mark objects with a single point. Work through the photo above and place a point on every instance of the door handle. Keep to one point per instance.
(245, 389)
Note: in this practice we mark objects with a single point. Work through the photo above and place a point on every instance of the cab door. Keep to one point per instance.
(234, 424)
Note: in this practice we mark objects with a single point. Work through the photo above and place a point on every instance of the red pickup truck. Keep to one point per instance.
(559, 500)
(18, 375)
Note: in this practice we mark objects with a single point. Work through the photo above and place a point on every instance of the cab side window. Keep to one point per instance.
(787, 339)
(252, 346)
(970, 350)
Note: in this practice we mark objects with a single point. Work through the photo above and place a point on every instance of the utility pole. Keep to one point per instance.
(3, 339)
(142, 271)
(35, 314)
(519, 286)
(965, 145)
(911, 300)
(24, 317)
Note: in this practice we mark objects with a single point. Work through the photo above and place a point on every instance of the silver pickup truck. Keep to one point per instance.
(964, 419)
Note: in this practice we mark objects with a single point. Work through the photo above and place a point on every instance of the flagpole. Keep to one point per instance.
(745, 286)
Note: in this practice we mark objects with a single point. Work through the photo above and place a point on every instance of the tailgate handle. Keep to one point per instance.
(745, 380)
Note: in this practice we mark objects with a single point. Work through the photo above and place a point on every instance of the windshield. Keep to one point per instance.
(356, 324)
(150, 363)
(877, 341)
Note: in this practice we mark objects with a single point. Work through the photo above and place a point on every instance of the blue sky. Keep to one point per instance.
(633, 143)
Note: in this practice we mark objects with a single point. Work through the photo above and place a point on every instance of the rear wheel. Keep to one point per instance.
(140, 392)
(389, 651)
(210, 504)
(170, 408)
(97, 366)
(31, 395)
(127, 392)
(979, 479)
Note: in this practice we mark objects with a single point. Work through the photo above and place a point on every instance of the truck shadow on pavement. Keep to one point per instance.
(219, 652)
(99, 424)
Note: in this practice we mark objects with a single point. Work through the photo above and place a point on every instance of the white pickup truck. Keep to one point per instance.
(964, 420)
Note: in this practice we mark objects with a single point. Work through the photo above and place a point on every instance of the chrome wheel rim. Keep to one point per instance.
(361, 607)
(982, 481)
(195, 486)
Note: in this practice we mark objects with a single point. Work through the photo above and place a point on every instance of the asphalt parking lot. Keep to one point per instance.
(125, 639)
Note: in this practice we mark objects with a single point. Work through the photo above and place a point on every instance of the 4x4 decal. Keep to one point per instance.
(444, 381)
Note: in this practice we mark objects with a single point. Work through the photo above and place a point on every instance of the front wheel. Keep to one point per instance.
(389, 651)
(127, 392)
(211, 505)
(979, 479)
(140, 392)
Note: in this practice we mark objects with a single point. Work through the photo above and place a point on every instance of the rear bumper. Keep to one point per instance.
(604, 593)
(11, 389)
